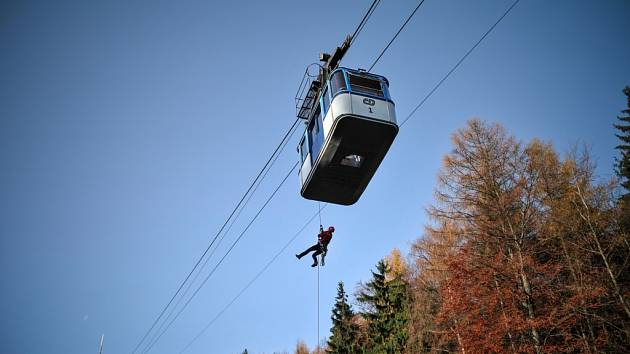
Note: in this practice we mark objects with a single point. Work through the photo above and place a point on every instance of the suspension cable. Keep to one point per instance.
(366, 17)
(223, 258)
(227, 231)
(461, 60)
(286, 136)
(395, 36)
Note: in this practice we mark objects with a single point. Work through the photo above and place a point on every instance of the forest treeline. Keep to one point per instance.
(527, 252)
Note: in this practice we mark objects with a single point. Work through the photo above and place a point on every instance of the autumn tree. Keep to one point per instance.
(432, 255)
(396, 264)
(344, 338)
(486, 189)
(525, 254)
(301, 348)
(319, 349)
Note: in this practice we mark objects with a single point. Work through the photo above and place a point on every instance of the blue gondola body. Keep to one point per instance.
(347, 136)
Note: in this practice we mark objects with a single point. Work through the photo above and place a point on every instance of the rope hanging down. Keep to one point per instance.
(319, 212)
(319, 264)
(318, 308)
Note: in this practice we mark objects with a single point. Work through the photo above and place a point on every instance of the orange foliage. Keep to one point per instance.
(525, 254)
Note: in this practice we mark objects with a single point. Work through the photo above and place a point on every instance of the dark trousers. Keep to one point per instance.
(318, 248)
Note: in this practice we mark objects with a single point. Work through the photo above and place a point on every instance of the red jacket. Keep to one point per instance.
(325, 237)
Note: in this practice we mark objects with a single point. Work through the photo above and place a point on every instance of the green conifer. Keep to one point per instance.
(623, 163)
(386, 302)
(344, 331)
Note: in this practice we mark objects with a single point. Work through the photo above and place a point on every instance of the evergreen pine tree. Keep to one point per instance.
(623, 163)
(374, 298)
(399, 300)
(386, 301)
(344, 331)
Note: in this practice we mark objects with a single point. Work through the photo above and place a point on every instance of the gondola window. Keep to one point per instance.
(360, 84)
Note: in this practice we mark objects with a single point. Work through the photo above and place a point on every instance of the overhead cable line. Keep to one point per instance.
(459, 62)
(224, 256)
(366, 17)
(251, 186)
(238, 295)
(207, 259)
(173, 308)
(396, 35)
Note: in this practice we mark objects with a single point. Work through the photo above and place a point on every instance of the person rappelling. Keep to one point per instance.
(321, 247)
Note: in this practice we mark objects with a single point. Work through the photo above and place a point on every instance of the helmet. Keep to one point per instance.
(331, 229)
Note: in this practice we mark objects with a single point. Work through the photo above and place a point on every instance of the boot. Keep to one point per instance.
(314, 264)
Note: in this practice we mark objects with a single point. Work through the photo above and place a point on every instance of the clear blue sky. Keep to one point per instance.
(129, 129)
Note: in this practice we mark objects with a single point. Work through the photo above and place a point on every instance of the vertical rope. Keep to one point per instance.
(319, 211)
(318, 352)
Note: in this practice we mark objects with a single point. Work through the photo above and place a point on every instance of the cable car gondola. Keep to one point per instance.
(347, 136)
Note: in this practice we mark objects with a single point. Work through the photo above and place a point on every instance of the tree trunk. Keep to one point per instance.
(528, 303)
(505, 320)
(586, 217)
